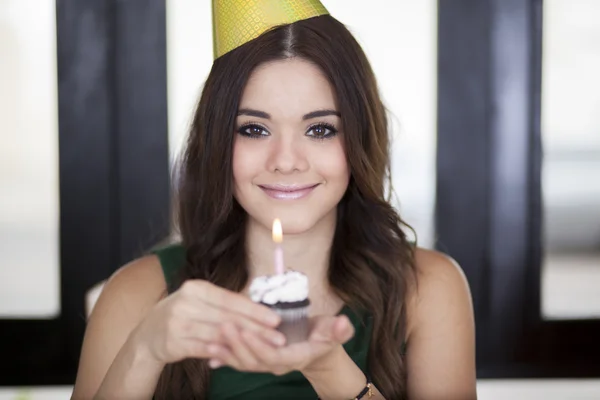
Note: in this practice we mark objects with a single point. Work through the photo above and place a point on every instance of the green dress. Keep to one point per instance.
(228, 384)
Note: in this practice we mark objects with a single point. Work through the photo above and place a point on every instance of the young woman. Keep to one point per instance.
(289, 125)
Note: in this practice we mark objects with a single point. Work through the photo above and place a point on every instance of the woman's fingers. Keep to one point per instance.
(234, 302)
(261, 350)
(196, 348)
(239, 349)
(235, 353)
(222, 306)
(200, 331)
(220, 355)
(218, 317)
(334, 329)
(278, 360)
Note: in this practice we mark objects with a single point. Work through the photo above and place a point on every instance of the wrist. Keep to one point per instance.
(140, 353)
(335, 376)
(134, 373)
(327, 363)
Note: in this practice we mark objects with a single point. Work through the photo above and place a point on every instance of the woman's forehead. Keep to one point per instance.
(290, 86)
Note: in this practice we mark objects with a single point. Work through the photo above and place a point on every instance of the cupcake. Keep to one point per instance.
(287, 295)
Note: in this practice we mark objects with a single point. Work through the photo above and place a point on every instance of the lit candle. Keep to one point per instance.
(278, 238)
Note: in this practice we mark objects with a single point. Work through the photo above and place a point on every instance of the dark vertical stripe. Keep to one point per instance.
(86, 113)
(142, 129)
(511, 210)
(462, 192)
(113, 161)
(488, 201)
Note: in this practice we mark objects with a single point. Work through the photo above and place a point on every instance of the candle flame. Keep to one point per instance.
(277, 231)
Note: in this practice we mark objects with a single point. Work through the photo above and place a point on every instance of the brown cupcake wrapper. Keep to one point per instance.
(294, 323)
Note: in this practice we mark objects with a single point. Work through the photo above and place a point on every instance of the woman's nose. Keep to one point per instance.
(287, 154)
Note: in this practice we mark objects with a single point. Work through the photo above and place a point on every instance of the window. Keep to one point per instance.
(29, 204)
(571, 165)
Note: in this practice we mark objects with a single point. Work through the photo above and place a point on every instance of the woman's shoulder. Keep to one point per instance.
(149, 275)
(139, 283)
(143, 281)
(441, 288)
(125, 300)
(435, 265)
(441, 330)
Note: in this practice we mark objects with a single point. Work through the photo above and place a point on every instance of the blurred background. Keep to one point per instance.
(494, 107)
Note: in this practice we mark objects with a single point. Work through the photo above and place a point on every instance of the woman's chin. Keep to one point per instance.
(300, 223)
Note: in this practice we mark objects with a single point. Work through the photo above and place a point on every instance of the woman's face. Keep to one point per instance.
(288, 158)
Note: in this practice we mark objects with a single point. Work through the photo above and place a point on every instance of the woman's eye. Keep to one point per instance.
(322, 131)
(253, 131)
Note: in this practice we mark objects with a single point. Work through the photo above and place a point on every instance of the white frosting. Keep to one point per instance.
(288, 287)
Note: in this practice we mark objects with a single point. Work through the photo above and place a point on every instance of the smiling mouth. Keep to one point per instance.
(288, 192)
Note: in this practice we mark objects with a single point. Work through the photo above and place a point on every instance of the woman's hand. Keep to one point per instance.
(245, 350)
(189, 321)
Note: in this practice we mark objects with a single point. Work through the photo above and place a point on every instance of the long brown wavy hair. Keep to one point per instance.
(371, 265)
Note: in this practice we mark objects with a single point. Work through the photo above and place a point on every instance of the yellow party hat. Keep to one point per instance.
(236, 22)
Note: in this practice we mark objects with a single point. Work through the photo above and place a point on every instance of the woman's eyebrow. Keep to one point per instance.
(320, 113)
(313, 114)
(253, 113)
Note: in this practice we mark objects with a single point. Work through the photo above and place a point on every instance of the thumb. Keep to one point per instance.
(323, 329)
(332, 329)
(342, 329)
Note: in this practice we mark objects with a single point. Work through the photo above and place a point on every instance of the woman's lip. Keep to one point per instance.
(288, 188)
(285, 192)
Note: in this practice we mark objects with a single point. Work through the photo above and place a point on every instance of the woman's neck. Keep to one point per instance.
(308, 252)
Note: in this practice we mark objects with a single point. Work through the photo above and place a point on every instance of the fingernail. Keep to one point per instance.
(213, 363)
